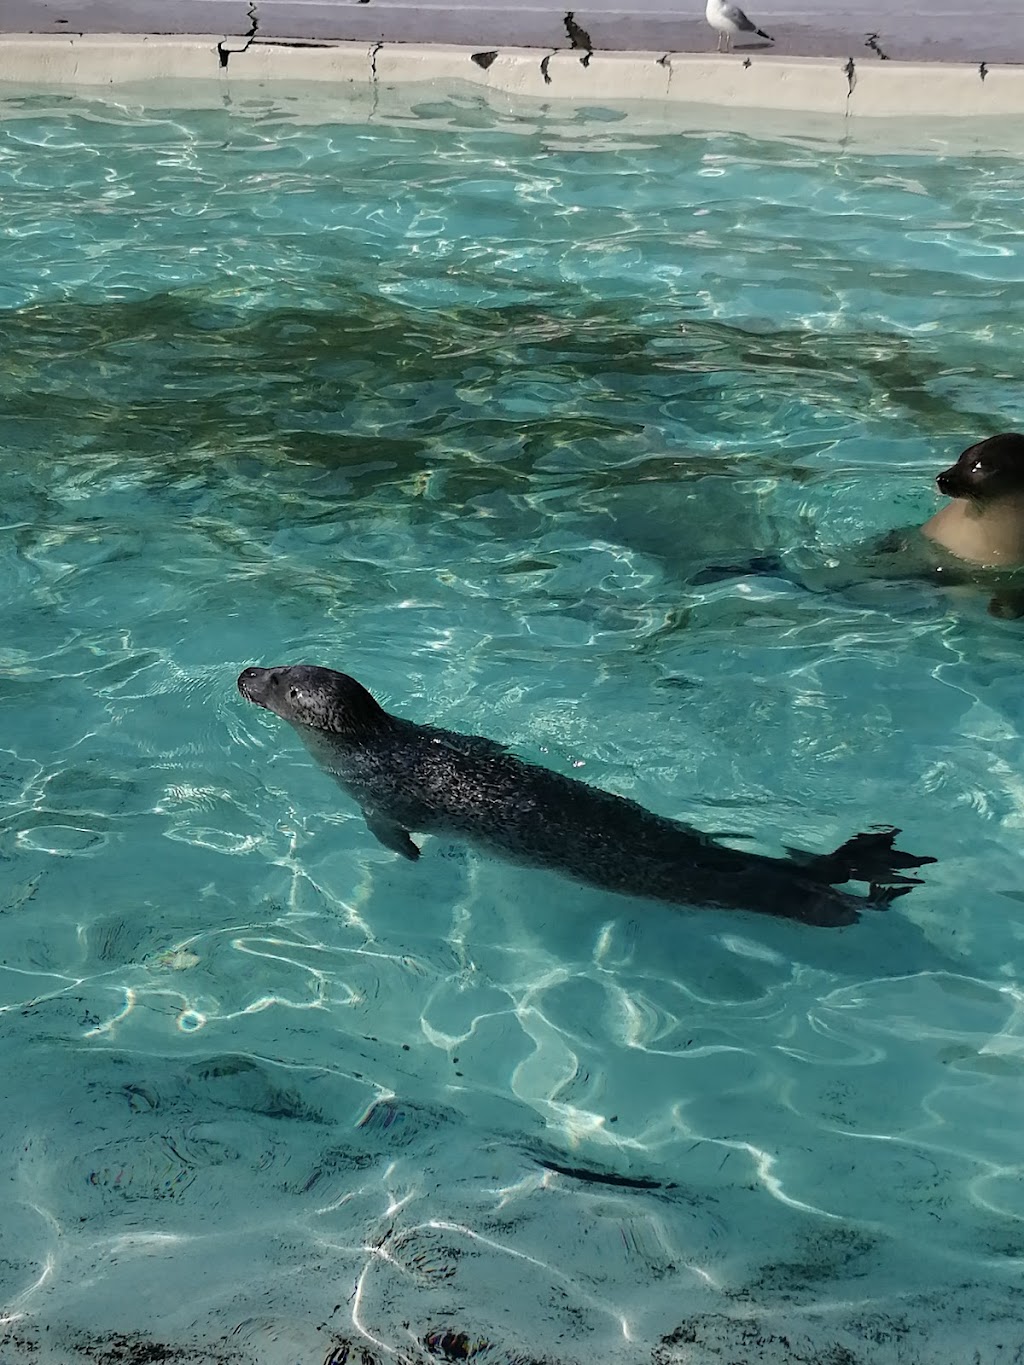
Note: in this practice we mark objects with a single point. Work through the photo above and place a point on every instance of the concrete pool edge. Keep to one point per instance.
(754, 80)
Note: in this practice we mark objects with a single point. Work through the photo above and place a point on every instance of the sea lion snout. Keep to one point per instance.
(948, 483)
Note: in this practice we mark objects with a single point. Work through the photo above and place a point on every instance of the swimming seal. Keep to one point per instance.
(984, 524)
(408, 777)
(974, 541)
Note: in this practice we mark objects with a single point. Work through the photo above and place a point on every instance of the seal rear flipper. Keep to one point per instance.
(391, 834)
(881, 897)
(1007, 605)
(864, 858)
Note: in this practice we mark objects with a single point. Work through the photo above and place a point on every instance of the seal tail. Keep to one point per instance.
(871, 858)
(881, 897)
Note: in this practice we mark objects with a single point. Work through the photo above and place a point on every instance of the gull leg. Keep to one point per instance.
(721, 35)
(728, 42)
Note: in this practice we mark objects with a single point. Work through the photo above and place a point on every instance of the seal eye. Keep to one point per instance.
(293, 694)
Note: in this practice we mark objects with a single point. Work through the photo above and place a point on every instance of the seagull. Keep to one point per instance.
(730, 20)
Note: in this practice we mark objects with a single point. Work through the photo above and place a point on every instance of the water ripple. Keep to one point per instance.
(470, 443)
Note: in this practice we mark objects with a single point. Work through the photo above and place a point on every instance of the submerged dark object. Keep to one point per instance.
(409, 777)
(591, 1177)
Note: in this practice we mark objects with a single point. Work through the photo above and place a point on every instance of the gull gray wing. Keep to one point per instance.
(736, 15)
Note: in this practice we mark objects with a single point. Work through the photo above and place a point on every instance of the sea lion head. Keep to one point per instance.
(988, 471)
(311, 697)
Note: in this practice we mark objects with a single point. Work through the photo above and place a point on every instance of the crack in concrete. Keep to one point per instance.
(544, 68)
(983, 70)
(373, 78)
(224, 52)
(578, 37)
(483, 59)
(850, 72)
(302, 42)
(871, 41)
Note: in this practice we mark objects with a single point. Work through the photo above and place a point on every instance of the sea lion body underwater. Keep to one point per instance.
(408, 777)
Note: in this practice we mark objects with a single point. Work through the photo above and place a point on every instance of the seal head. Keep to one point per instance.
(313, 698)
(987, 471)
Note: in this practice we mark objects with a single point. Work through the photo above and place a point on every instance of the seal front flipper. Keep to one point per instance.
(391, 834)
(762, 566)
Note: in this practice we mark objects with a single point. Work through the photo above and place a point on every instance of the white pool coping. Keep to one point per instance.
(756, 80)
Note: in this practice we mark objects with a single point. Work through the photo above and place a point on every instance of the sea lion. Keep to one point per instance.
(408, 777)
(984, 524)
(977, 540)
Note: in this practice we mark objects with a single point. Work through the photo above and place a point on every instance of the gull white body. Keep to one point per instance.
(729, 20)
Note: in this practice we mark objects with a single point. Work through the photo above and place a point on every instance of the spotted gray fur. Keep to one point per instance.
(408, 777)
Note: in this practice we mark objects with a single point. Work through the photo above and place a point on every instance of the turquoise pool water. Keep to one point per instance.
(459, 404)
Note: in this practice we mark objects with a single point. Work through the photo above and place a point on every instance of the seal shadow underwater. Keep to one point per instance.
(408, 777)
